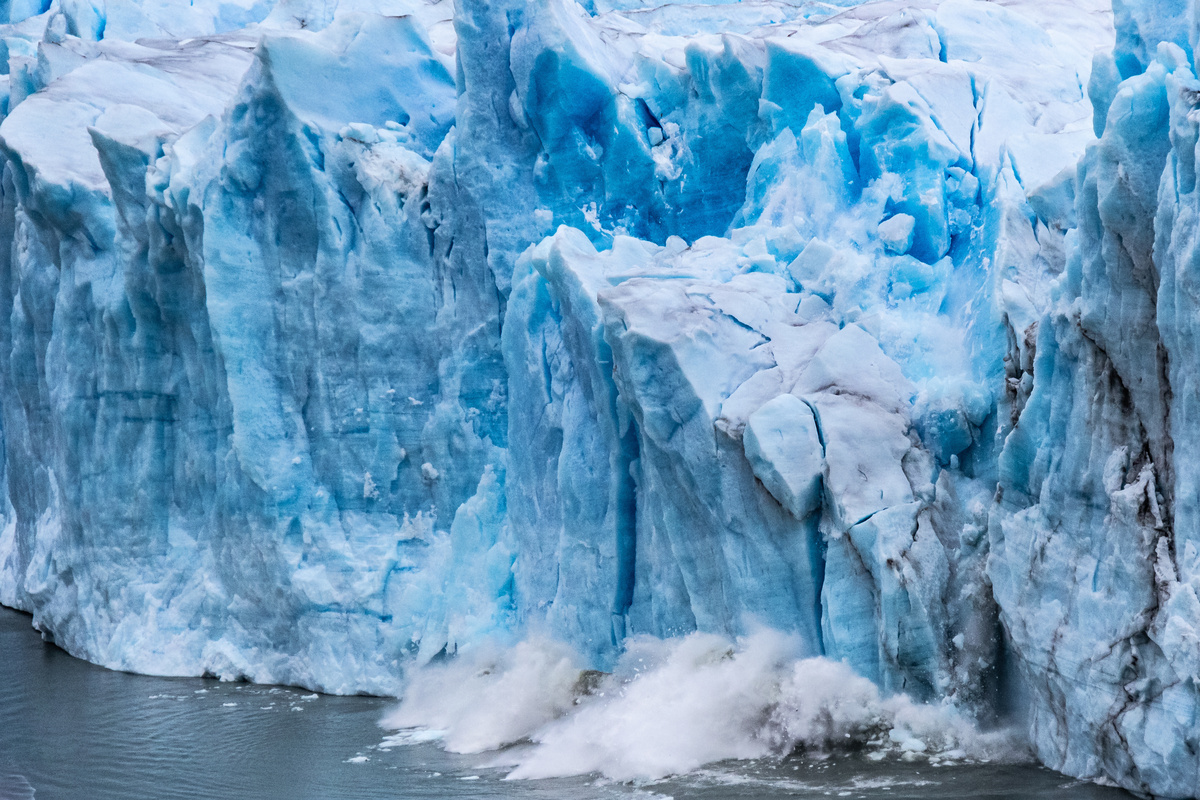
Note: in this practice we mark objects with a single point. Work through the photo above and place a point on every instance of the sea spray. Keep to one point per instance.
(492, 696)
(672, 706)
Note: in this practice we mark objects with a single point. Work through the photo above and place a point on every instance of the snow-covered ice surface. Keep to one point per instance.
(345, 336)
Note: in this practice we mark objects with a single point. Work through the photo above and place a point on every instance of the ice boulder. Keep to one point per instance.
(785, 453)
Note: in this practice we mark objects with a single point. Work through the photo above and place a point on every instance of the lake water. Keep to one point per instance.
(69, 730)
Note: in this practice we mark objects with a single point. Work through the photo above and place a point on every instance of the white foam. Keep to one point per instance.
(491, 697)
(412, 736)
(671, 707)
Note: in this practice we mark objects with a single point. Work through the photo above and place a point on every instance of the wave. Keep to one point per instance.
(671, 707)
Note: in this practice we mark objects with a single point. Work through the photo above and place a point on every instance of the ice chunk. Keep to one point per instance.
(784, 450)
(896, 233)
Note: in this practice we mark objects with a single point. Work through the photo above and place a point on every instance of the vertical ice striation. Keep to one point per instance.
(215, 424)
(1094, 537)
(342, 335)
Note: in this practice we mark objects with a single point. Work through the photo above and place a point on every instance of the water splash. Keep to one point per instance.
(673, 706)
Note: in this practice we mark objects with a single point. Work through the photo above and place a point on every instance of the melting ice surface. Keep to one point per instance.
(342, 337)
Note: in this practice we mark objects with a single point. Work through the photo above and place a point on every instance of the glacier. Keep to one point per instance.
(348, 335)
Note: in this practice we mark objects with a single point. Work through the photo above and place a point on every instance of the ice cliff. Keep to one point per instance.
(342, 335)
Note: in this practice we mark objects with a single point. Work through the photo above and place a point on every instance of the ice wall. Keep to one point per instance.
(1094, 536)
(792, 419)
(217, 244)
(345, 335)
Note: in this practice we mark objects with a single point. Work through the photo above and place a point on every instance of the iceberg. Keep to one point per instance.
(345, 337)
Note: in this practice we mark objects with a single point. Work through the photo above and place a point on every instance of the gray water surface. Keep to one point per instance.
(71, 730)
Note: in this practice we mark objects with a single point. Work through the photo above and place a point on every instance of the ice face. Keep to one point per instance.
(256, 368)
(347, 335)
(1097, 477)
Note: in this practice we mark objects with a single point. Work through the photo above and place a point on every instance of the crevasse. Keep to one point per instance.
(342, 335)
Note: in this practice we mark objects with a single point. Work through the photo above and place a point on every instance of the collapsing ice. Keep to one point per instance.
(672, 706)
